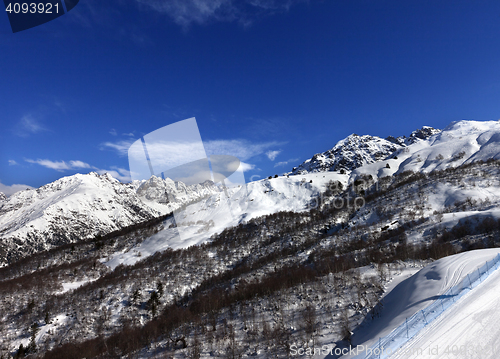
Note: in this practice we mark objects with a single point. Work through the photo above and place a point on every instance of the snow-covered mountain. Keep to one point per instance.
(294, 240)
(356, 151)
(459, 143)
(420, 134)
(297, 192)
(166, 194)
(212, 214)
(83, 206)
(3, 197)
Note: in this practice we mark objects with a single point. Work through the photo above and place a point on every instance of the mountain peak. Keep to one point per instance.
(424, 133)
(421, 134)
(352, 152)
(355, 151)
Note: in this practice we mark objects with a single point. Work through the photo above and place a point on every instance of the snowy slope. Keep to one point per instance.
(83, 206)
(69, 209)
(419, 291)
(468, 329)
(348, 154)
(356, 151)
(200, 220)
(460, 142)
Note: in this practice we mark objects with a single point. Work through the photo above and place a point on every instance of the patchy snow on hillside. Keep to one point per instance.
(211, 215)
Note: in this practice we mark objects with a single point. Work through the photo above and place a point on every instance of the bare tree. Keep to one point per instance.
(345, 327)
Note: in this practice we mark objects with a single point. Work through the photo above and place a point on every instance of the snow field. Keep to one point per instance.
(468, 329)
(407, 310)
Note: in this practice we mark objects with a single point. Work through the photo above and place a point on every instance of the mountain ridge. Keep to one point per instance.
(355, 151)
(84, 206)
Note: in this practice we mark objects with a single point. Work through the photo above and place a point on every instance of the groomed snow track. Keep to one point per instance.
(391, 345)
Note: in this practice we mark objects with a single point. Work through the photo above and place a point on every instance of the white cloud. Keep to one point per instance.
(246, 166)
(10, 190)
(117, 172)
(55, 165)
(187, 12)
(79, 164)
(169, 155)
(242, 149)
(284, 163)
(113, 132)
(272, 154)
(121, 147)
(61, 165)
(29, 125)
(12, 163)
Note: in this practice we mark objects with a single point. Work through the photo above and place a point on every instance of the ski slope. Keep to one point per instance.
(419, 291)
(468, 329)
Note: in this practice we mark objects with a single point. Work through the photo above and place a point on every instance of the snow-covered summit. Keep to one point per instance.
(85, 205)
(69, 209)
(348, 154)
(166, 191)
(3, 197)
(421, 134)
(459, 143)
(355, 151)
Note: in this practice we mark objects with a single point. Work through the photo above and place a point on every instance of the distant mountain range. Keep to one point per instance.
(84, 206)
(325, 245)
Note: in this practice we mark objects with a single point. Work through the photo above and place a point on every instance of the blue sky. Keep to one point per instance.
(272, 81)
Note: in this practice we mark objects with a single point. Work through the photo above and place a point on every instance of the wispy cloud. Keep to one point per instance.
(29, 125)
(113, 132)
(272, 154)
(12, 163)
(117, 172)
(80, 164)
(10, 190)
(243, 149)
(61, 165)
(166, 155)
(284, 163)
(187, 12)
(121, 147)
